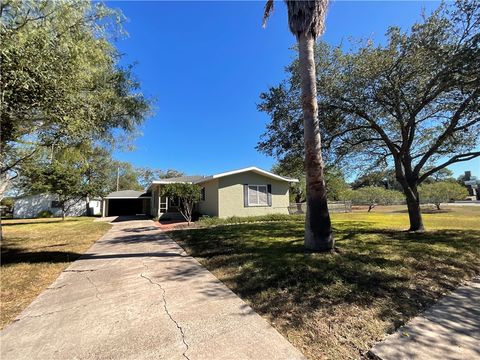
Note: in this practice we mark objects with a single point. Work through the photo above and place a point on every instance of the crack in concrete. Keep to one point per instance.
(79, 271)
(95, 286)
(165, 307)
(50, 312)
(57, 287)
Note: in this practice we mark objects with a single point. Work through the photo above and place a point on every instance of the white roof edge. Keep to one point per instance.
(251, 168)
(233, 172)
(127, 197)
(155, 182)
(165, 182)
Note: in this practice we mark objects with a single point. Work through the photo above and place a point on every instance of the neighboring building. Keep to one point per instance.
(30, 206)
(472, 184)
(244, 192)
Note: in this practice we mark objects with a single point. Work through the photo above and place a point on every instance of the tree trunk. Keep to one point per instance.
(318, 228)
(4, 181)
(413, 205)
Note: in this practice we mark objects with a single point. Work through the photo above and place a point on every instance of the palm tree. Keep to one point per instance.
(306, 19)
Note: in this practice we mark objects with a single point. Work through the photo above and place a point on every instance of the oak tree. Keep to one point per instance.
(411, 104)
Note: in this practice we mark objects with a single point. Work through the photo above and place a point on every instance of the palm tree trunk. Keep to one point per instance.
(318, 229)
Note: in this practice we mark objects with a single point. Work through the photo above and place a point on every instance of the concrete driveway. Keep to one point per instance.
(136, 295)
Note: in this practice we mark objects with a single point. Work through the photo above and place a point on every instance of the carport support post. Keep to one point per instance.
(104, 204)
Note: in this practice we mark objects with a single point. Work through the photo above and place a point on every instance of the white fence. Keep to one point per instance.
(333, 206)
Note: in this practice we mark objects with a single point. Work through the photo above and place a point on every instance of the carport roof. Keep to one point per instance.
(127, 194)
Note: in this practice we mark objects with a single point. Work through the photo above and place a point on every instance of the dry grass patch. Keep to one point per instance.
(336, 306)
(34, 252)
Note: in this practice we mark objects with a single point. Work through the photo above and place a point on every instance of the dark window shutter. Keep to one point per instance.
(245, 195)
(269, 194)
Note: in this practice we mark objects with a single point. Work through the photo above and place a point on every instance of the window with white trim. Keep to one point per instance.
(257, 195)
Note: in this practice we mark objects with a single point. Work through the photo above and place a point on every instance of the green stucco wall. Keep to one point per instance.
(209, 206)
(230, 195)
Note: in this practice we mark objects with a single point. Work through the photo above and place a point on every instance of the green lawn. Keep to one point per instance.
(35, 252)
(338, 305)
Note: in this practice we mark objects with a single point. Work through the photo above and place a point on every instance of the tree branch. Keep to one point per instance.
(373, 124)
(448, 131)
(11, 166)
(454, 159)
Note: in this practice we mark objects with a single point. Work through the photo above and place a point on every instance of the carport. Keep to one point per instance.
(126, 202)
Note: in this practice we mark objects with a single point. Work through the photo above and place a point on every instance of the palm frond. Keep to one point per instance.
(268, 11)
(307, 16)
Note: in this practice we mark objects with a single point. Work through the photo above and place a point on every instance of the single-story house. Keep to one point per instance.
(30, 206)
(244, 192)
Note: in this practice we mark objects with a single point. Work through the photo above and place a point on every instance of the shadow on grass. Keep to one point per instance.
(13, 222)
(425, 211)
(267, 264)
(15, 256)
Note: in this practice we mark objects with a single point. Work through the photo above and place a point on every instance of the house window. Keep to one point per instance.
(55, 204)
(257, 195)
(202, 194)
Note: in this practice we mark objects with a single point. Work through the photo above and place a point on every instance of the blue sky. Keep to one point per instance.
(206, 62)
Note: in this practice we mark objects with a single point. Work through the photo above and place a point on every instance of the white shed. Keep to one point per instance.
(30, 206)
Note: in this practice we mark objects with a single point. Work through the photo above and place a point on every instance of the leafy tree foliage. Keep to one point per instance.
(411, 104)
(136, 178)
(387, 178)
(61, 83)
(380, 178)
(188, 195)
(58, 178)
(334, 180)
(146, 175)
(124, 176)
(72, 174)
(444, 174)
(373, 196)
(442, 192)
(8, 203)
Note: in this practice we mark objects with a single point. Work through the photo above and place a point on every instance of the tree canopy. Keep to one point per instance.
(72, 174)
(442, 192)
(411, 104)
(187, 194)
(61, 82)
(147, 174)
(334, 180)
(373, 196)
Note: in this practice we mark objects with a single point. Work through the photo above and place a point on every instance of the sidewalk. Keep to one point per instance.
(449, 330)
